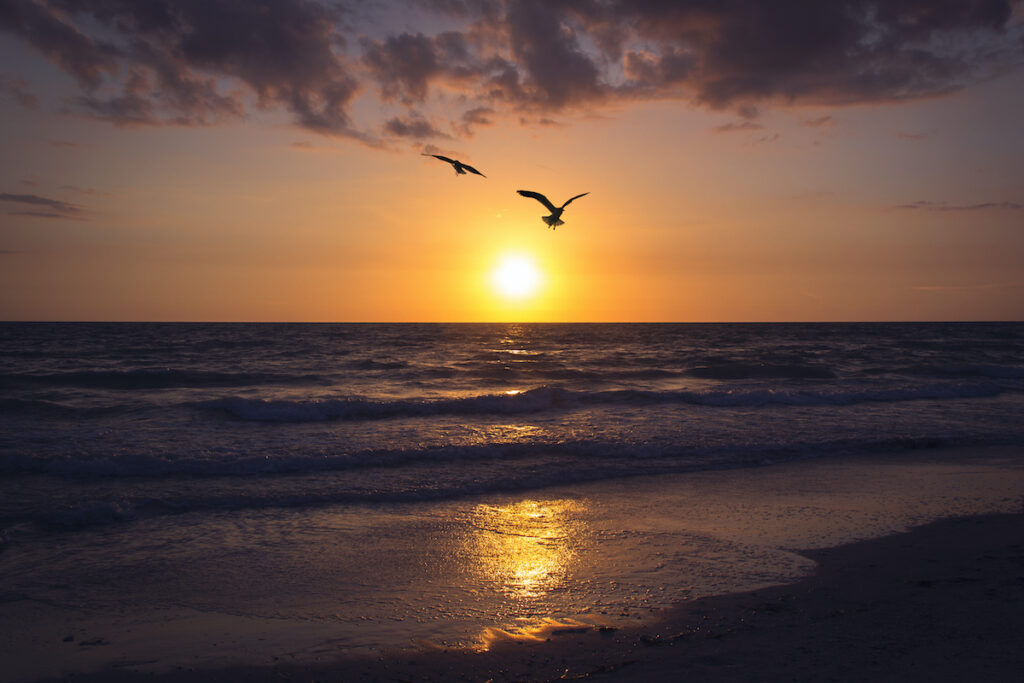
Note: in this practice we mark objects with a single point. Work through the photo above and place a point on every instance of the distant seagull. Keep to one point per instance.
(555, 219)
(460, 168)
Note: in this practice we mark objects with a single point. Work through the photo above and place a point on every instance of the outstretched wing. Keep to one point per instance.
(539, 197)
(438, 156)
(471, 169)
(574, 198)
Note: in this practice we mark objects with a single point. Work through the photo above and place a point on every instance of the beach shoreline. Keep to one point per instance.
(942, 562)
(940, 603)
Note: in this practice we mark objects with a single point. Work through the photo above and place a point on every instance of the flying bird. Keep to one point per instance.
(555, 219)
(460, 168)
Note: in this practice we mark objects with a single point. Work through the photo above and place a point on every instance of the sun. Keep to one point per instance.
(516, 276)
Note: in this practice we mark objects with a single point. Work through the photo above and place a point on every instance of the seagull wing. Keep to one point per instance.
(574, 198)
(472, 170)
(539, 197)
(438, 156)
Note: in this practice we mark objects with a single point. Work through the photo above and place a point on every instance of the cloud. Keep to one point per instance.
(166, 61)
(82, 190)
(735, 126)
(199, 62)
(46, 29)
(734, 53)
(961, 288)
(841, 52)
(943, 206)
(406, 64)
(819, 122)
(42, 207)
(558, 72)
(478, 117)
(18, 89)
(413, 128)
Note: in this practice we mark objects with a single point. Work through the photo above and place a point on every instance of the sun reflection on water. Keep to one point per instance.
(527, 548)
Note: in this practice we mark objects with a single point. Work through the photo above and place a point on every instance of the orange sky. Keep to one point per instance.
(905, 210)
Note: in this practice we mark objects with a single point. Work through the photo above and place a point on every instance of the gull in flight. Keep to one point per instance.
(460, 168)
(555, 219)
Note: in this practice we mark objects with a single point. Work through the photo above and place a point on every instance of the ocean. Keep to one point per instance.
(338, 472)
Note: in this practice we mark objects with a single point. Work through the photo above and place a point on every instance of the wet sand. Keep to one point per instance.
(942, 601)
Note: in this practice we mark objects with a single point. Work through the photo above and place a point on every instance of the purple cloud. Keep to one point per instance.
(197, 62)
(42, 207)
(18, 89)
(734, 126)
(415, 127)
(943, 206)
(164, 60)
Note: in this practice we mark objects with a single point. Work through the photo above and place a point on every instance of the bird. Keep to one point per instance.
(460, 168)
(555, 219)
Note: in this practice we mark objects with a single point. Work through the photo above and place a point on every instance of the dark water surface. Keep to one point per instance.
(104, 422)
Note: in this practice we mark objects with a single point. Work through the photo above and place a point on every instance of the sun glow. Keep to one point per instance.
(516, 277)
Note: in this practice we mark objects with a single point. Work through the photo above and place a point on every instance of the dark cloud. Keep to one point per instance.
(418, 128)
(734, 53)
(840, 51)
(480, 116)
(405, 64)
(558, 71)
(41, 207)
(165, 60)
(62, 42)
(197, 62)
(944, 206)
(18, 89)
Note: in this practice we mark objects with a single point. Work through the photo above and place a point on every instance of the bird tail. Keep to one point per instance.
(552, 221)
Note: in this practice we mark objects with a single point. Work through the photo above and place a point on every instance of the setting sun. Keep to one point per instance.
(516, 276)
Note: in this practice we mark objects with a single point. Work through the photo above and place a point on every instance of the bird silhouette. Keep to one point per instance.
(460, 168)
(555, 219)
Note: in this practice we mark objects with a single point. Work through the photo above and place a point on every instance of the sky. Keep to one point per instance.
(263, 160)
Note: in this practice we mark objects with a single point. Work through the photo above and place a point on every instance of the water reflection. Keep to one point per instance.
(527, 548)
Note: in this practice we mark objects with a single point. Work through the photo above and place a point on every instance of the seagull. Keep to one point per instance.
(555, 219)
(460, 168)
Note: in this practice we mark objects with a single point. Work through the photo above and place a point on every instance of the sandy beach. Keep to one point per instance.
(934, 594)
(939, 603)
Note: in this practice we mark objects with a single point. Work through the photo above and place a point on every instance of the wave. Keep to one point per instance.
(961, 371)
(733, 371)
(563, 463)
(554, 398)
(585, 451)
(164, 378)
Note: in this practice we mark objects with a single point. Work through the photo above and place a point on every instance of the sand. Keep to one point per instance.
(940, 601)
(943, 602)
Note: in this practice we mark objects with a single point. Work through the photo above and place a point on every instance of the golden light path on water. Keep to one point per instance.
(527, 551)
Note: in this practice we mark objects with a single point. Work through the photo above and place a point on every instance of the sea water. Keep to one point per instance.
(394, 476)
